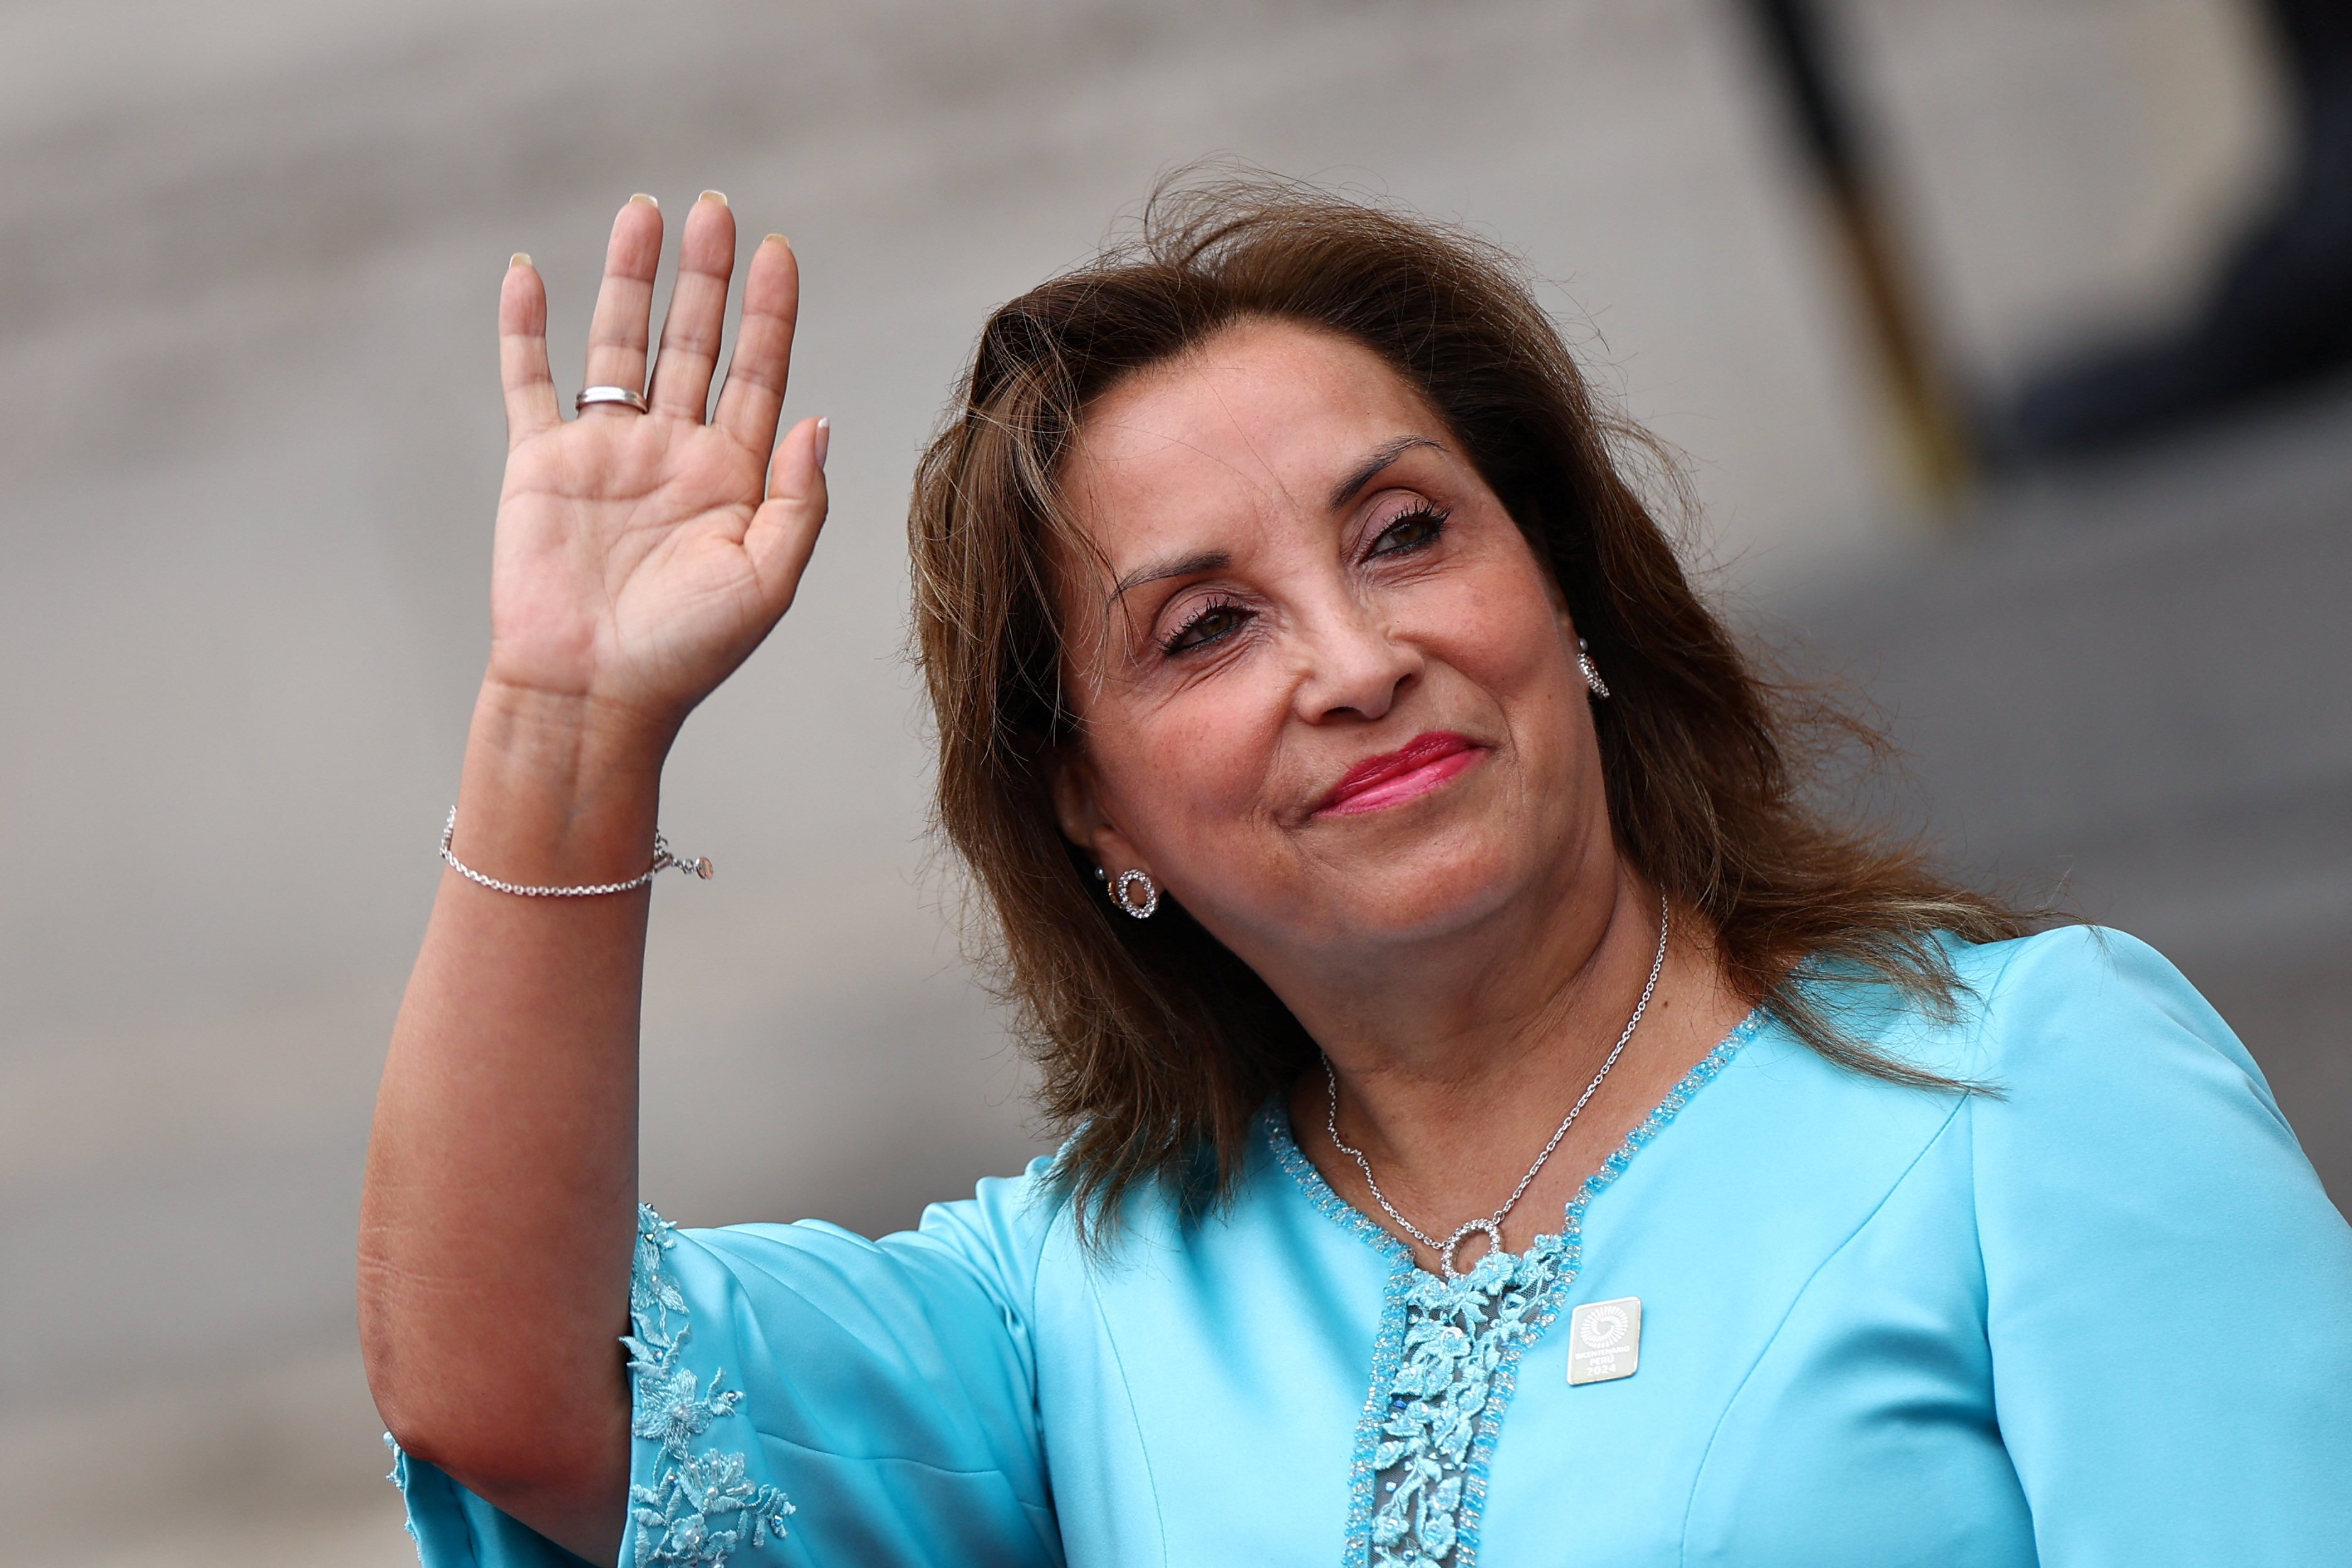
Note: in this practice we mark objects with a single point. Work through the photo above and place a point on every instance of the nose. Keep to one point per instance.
(1356, 667)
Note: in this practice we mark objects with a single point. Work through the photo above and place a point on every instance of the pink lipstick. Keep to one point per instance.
(1425, 762)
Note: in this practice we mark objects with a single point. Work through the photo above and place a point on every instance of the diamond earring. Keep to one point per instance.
(1120, 896)
(1598, 687)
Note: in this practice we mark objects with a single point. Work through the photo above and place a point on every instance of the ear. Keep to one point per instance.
(1555, 592)
(1558, 597)
(1078, 807)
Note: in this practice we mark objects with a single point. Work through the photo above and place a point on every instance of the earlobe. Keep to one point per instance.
(1083, 823)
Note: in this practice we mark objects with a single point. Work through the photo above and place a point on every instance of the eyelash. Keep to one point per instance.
(1176, 647)
(1432, 515)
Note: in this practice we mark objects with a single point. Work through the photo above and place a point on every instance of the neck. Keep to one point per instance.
(1455, 1071)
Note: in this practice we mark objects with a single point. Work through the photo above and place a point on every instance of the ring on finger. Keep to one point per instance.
(627, 397)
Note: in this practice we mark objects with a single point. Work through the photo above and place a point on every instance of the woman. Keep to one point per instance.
(1506, 1122)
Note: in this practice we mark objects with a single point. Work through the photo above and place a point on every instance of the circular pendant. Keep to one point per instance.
(1493, 1232)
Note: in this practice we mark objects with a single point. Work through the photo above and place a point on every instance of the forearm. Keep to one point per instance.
(500, 1212)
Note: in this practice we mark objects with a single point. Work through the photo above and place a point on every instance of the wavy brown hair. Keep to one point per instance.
(1157, 1046)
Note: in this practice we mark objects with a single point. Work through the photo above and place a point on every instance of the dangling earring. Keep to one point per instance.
(1117, 889)
(1598, 687)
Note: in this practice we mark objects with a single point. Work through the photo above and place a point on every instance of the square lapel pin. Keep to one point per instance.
(1605, 1341)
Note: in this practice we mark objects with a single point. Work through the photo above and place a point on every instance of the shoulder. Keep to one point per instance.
(2088, 1010)
(2159, 1258)
(1005, 1226)
(2079, 1001)
(2087, 1049)
(990, 1243)
(2115, 1091)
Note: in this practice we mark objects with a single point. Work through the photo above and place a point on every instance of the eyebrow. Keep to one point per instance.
(1378, 458)
(1183, 566)
(1343, 492)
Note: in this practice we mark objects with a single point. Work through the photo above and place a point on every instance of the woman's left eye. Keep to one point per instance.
(1409, 533)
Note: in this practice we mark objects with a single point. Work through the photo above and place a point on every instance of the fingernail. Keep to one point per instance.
(778, 239)
(519, 259)
(641, 197)
(823, 440)
(718, 196)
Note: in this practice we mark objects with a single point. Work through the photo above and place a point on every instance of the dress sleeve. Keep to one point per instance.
(803, 1396)
(2169, 1289)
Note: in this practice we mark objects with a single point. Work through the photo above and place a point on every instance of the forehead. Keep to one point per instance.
(1262, 416)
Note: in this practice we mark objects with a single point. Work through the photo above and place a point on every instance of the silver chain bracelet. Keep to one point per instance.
(663, 861)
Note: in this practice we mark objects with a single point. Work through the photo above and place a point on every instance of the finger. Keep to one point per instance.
(697, 310)
(523, 353)
(784, 531)
(753, 397)
(616, 335)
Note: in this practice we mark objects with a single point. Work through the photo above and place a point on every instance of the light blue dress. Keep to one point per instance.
(2104, 1318)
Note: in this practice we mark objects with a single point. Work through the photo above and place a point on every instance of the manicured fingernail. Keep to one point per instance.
(823, 440)
(641, 197)
(519, 259)
(718, 196)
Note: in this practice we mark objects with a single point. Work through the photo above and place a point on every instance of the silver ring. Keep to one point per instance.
(620, 394)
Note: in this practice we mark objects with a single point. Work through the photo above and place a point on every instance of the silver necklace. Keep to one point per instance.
(1491, 1226)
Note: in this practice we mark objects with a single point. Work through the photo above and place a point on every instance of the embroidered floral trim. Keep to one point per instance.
(701, 1506)
(1446, 1360)
(398, 1475)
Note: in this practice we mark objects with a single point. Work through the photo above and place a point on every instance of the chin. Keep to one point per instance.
(1441, 892)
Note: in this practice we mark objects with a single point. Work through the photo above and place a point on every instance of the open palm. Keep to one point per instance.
(642, 556)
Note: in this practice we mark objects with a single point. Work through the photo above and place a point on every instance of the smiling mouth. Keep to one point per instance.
(1427, 762)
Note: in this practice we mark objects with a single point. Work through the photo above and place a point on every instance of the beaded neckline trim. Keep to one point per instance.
(1444, 1363)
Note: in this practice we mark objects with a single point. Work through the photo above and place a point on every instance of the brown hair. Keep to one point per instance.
(1157, 1045)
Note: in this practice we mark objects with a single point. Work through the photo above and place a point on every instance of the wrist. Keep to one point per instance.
(559, 789)
(568, 734)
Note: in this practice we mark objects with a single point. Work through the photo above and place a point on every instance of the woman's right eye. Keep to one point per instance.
(1211, 623)
(1410, 531)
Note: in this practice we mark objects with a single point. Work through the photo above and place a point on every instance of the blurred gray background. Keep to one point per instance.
(249, 429)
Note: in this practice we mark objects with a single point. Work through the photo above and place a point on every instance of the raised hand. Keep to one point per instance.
(640, 557)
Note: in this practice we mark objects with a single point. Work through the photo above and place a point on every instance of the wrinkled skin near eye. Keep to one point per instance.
(1306, 576)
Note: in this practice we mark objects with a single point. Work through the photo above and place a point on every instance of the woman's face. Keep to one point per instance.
(1330, 698)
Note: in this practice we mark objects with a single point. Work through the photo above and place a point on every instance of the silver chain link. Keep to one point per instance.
(662, 860)
(1491, 1226)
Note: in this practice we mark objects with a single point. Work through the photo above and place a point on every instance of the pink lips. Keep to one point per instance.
(1425, 762)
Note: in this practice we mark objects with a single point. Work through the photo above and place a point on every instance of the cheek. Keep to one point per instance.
(1500, 628)
(1190, 767)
